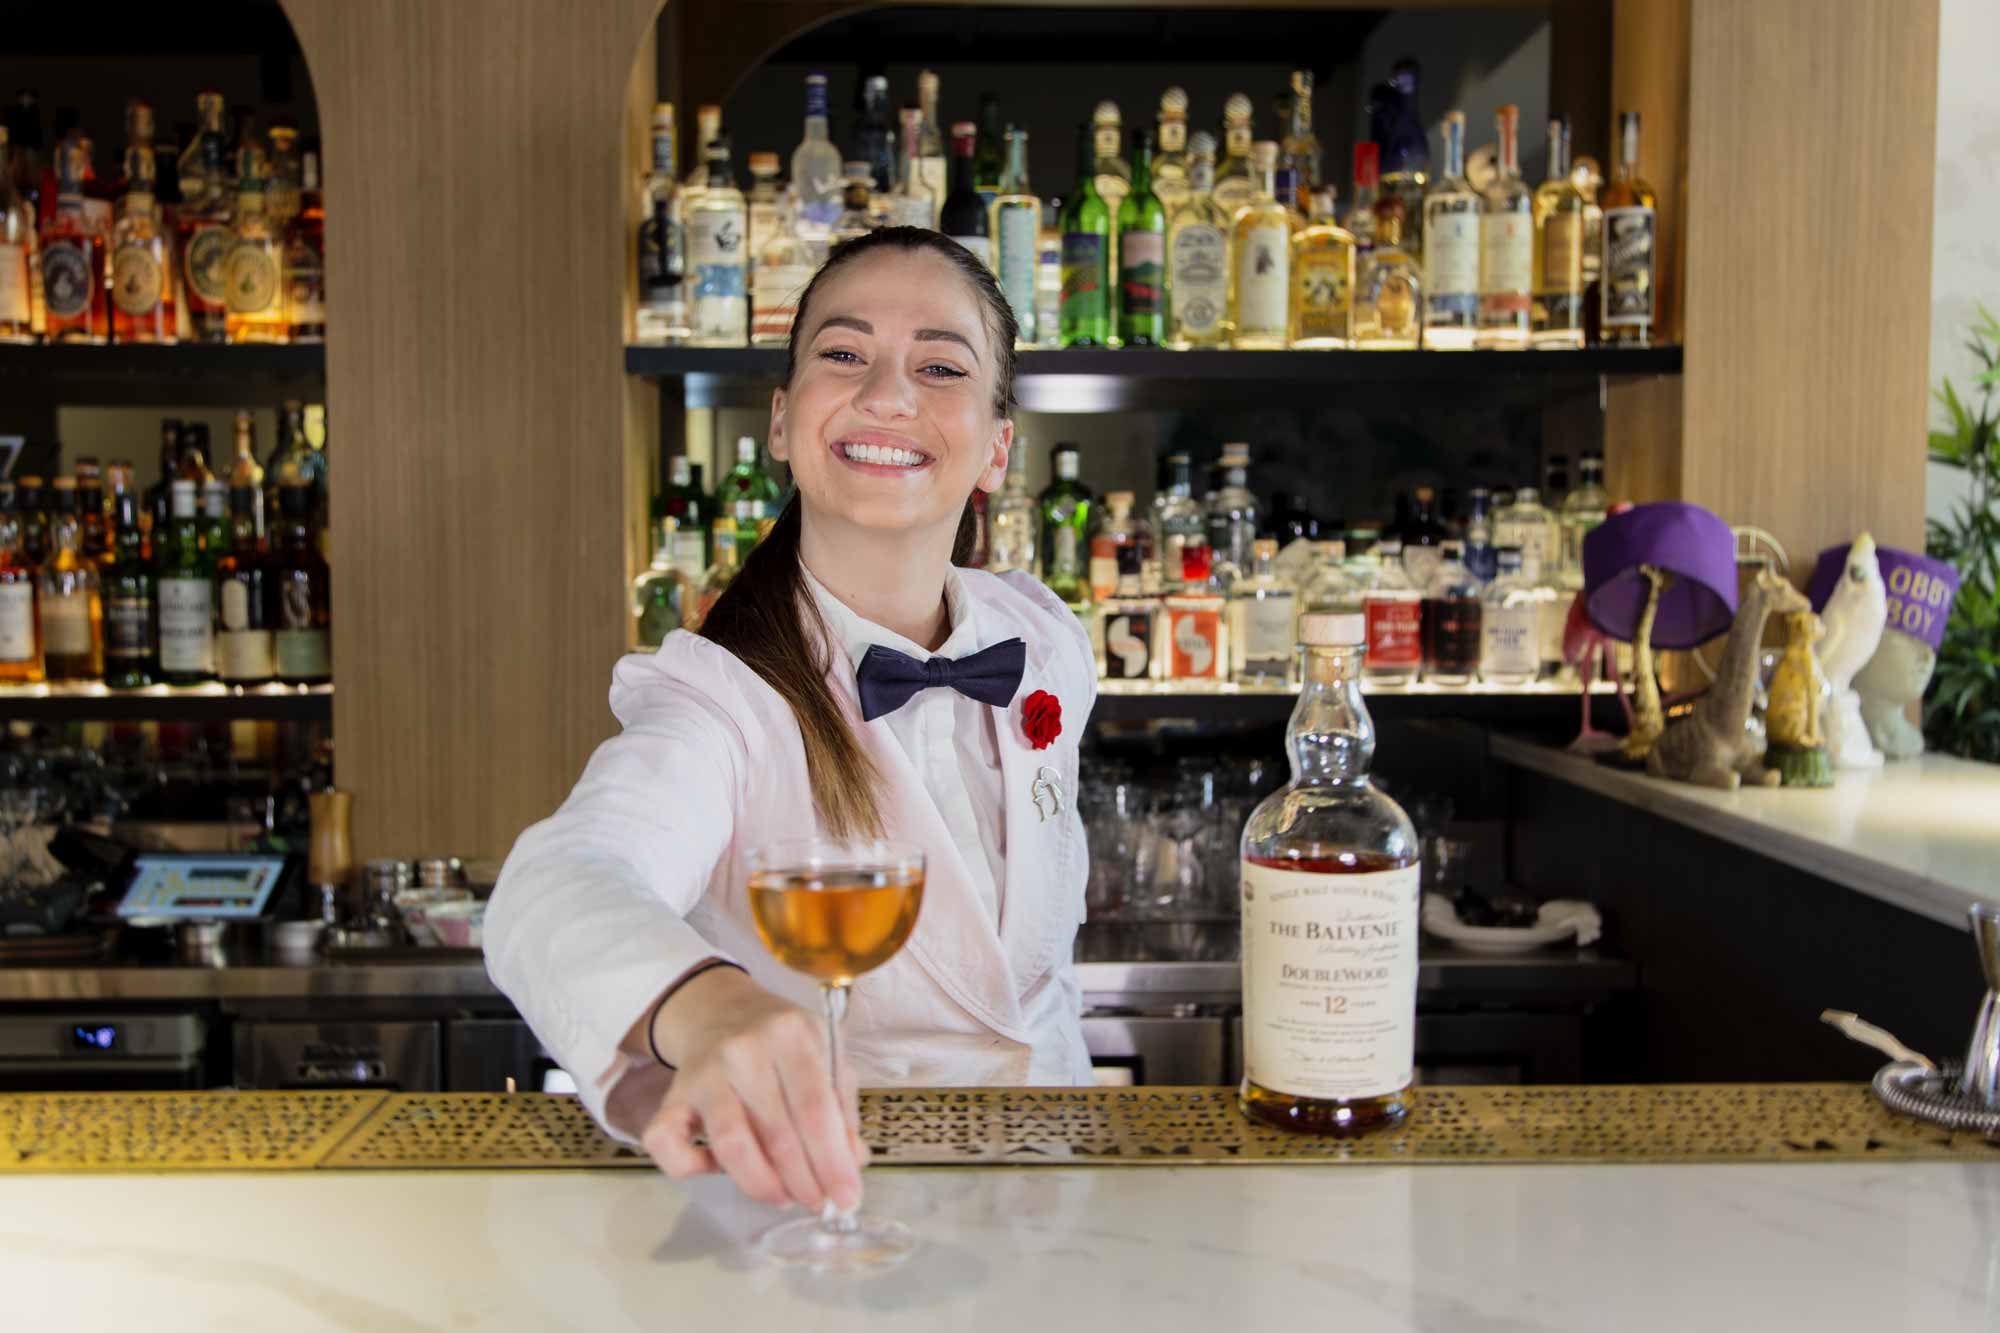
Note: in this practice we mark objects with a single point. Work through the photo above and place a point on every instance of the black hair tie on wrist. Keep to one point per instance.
(653, 1019)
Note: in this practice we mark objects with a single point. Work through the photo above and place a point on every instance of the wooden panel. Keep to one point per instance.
(1642, 438)
(1811, 140)
(476, 166)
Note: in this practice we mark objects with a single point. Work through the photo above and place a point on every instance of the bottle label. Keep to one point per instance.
(135, 279)
(1195, 643)
(1329, 981)
(1128, 645)
(1142, 273)
(1506, 260)
(1019, 239)
(1507, 644)
(979, 247)
(1325, 295)
(715, 246)
(1200, 278)
(302, 654)
(245, 655)
(66, 624)
(1562, 253)
(1083, 274)
(187, 625)
(776, 290)
(686, 553)
(1395, 632)
(128, 628)
(17, 622)
(1268, 629)
(204, 263)
(1263, 279)
(13, 283)
(66, 279)
(1062, 551)
(1451, 255)
(252, 278)
(1103, 572)
(1628, 267)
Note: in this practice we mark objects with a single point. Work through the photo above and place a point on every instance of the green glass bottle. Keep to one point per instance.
(1142, 256)
(129, 646)
(1066, 531)
(1086, 254)
(747, 492)
(186, 591)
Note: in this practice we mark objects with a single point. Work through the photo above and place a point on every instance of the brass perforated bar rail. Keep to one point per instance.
(249, 1131)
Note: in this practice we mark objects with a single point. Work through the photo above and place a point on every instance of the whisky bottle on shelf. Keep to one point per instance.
(1322, 298)
(1556, 321)
(1509, 621)
(964, 215)
(142, 289)
(1506, 245)
(1630, 281)
(1393, 610)
(816, 175)
(1261, 250)
(31, 504)
(90, 514)
(245, 652)
(301, 593)
(1087, 222)
(72, 254)
(204, 223)
(1170, 164)
(1013, 520)
(184, 588)
(911, 203)
(1329, 877)
(1142, 256)
(931, 164)
(282, 200)
(246, 473)
(69, 592)
(662, 314)
(1235, 178)
(1198, 261)
(1015, 224)
(305, 259)
(20, 627)
(254, 276)
(1262, 640)
(1065, 530)
(20, 260)
(1451, 249)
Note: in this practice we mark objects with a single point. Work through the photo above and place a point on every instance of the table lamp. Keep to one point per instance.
(1660, 575)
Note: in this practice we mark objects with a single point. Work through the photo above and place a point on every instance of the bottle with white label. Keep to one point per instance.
(718, 228)
(18, 260)
(1506, 245)
(1329, 876)
(1260, 274)
(1198, 261)
(1261, 629)
(20, 631)
(185, 588)
(1015, 228)
(1451, 249)
(1509, 652)
(72, 608)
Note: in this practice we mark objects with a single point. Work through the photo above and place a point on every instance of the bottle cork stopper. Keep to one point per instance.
(1332, 629)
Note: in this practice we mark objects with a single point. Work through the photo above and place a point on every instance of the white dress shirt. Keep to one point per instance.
(947, 736)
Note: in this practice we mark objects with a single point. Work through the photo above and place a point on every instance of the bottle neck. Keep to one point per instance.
(1558, 151)
(1142, 168)
(961, 164)
(1201, 174)
(1331, 736)
(1628, 148)
(1454, 148)
(663, 151)
(1014, 180)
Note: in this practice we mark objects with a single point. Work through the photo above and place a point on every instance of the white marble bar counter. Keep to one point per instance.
(1446, 1249)
(1923, 834)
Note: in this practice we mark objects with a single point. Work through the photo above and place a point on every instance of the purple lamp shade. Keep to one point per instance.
(1694, 544)
(1920, 589)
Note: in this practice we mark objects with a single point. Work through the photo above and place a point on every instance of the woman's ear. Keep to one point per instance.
(995, 474)
(775, 444)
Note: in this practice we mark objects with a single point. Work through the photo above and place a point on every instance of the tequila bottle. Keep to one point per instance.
(1261, 624)
(930, 137)
(142, 289)
(1556, 321)
(1113, 174)
(1065, 527)
(1170, 164)
(1509, 623)
(1389, 307)
(1198, 261)
(1506, 245)
(1086, 254)
(20, 627)
(1394, 612)
(964, 216)
(1178, 522)
(1260, 276)
(1235, 179)
(1233, 518)
(1329, 884)
(662, 316)
(911, 203)
(1451, 249)
(1013, 520)
(816, 170)
(718, 229)
(1629, 281)
(71, 607)
(1451, 621)
(1142, 256)
(1322, 300)
(1016, 228)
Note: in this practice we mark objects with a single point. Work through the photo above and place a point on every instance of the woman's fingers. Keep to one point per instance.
(739, 1151)
(823, 1127)
(669, 1139)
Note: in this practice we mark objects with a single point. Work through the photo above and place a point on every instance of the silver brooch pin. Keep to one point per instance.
(1047, 792)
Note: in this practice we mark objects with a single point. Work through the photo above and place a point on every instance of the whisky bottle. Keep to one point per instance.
(1065, 525)
(142, 292)
(254, 275)
(282, 200)
(71, 605)
(1329, 877)
(301, 593)
(662, 314)
(1142, 256)
(1087, 223)
(72, 254)
(204, 222)
(1198, 263)
(1170, 164)
(95, 540)
(1235, 179)
(20, 626)
(246, 473)
(1506, 245)
(718, 242)
(1556, 321)
(19, 261)
(1015, 225)
(963, 215)
(245, 653)
(1451, 249)
(816, 170)
(30, 504)
(185, 591)
(1321, 313)
(1629, 281)
(305, 259)
(911, 203)
(1261, 248)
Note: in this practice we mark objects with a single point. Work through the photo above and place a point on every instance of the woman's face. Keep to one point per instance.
(888, 422)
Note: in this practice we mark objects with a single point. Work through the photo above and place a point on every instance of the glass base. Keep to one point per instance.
(870, 1244)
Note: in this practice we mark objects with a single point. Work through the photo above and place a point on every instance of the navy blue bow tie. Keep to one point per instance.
(888, 679)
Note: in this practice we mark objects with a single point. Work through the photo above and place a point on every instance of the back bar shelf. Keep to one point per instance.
(90, 702)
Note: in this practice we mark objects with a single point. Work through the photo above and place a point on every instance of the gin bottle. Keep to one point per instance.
(1509, 652)
(1178, 521)
(1065, 523)
(1582, 510)
(1329, 875)
(1394, 615)
(1261, 630)
(662, 316)
(1232, 517)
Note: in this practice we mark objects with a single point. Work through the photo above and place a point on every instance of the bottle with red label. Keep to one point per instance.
(1395, 611)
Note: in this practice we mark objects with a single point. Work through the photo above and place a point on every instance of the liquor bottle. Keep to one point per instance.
(1170, 164)
(1321, 312)
(718, 238)
(1509, 651)
(282, 197)
(764, 204)
(721, 569)
(315, 469)
(184, 589)
(684, 502)
(1086, 254)
(305, 258)
(20, 260)
(72, 254)
(662, 315)
(142, 290)
(214, 519)
(1451, 621)
(1013, 520)
(1555, 490)
(1360, 223)
(707, 125)
(1126, 648)
(290, 457)
(31, 503)
(1588, 178)
(1065, 526)
(1389, 305)
(1329, 877)
(1299, 149)
(1394, 610)
(1261, 247)
(783, 267)
(245, 651)
(1178, 521)
(857, 204)
(1015, 225)
(1531, 528)
(1195, 638)
(245, 472)
(1556, 320)
(20, 626)
(1142, 256)
(964, 216)
(1506, 245)
(661, 590)
(1629, 281)
(204, 222)
(747, 492)
(1479, 548)
(1198, 261)
(71, 609)
(254, 274)
(1261, 622)
(95, 536)
(989, 154)
(157, 507)
(301, 593)
(1582, 510)
(1233, 519)
(874, 139)
(1114, 548)
(1049, 277)
(1406, 154)
(1331, 586)
(816, 170)
(930, 137)
(911, 203)
(1423, 538)
(1451, 249)
(1113, 176)
(193, 463)
(1235, 178)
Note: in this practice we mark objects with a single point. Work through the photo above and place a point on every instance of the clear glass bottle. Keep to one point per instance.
(1329, 886)
(1119, 550)
(1582, 510)
(1142, 256)
(1506, 245)
(765, 204)
(662, 314)
(1088, 227)
(1556, 320)
(931, 165)
(142, 289)
(911, 203)
(718, 231)
(1013, 520)
(20, 626)
(1016, 227)
(964, 216)
(72, 610)
(1065, 528)
(1479, 548)
(721, 569)
(1451, 621)
(1260, 274)
(1170, 164)
(1527, 525)
(1552, 602)
(1323, 259)
(19, 258)
(1390, 303)
(1198, 258)
(660, 591)
(1509, 625)
(784, 266)
(1235, 179)
(816, 171)
(1629, 285)
(1451, 249)
(1233, 517)
(1331, 586)
(1360, 223)
(1262, 621)
(1178, 519)
(255, 272)
(707, 125)
(1394, 611)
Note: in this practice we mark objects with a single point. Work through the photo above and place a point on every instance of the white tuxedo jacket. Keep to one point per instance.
(641, 873)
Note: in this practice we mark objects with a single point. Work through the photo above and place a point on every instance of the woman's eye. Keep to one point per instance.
(941, 371)
(840, 356)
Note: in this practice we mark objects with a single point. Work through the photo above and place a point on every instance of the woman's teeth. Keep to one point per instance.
(883, 454)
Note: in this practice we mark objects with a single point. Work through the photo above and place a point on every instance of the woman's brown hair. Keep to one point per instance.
(762, 617)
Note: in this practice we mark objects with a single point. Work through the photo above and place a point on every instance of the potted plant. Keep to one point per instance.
(1962, 706)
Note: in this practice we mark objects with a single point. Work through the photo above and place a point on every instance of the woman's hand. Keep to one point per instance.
(752, 1080)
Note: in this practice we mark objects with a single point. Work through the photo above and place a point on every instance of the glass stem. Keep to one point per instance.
(831, 1218)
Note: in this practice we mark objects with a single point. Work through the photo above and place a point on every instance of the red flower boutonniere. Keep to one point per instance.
(1041, 718)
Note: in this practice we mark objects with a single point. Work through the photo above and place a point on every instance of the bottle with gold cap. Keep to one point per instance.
(203, 222)
(1170, 164)
(254, 276)
(72, 253)
(1260, 272)
(142, 289)
(1234, 178)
